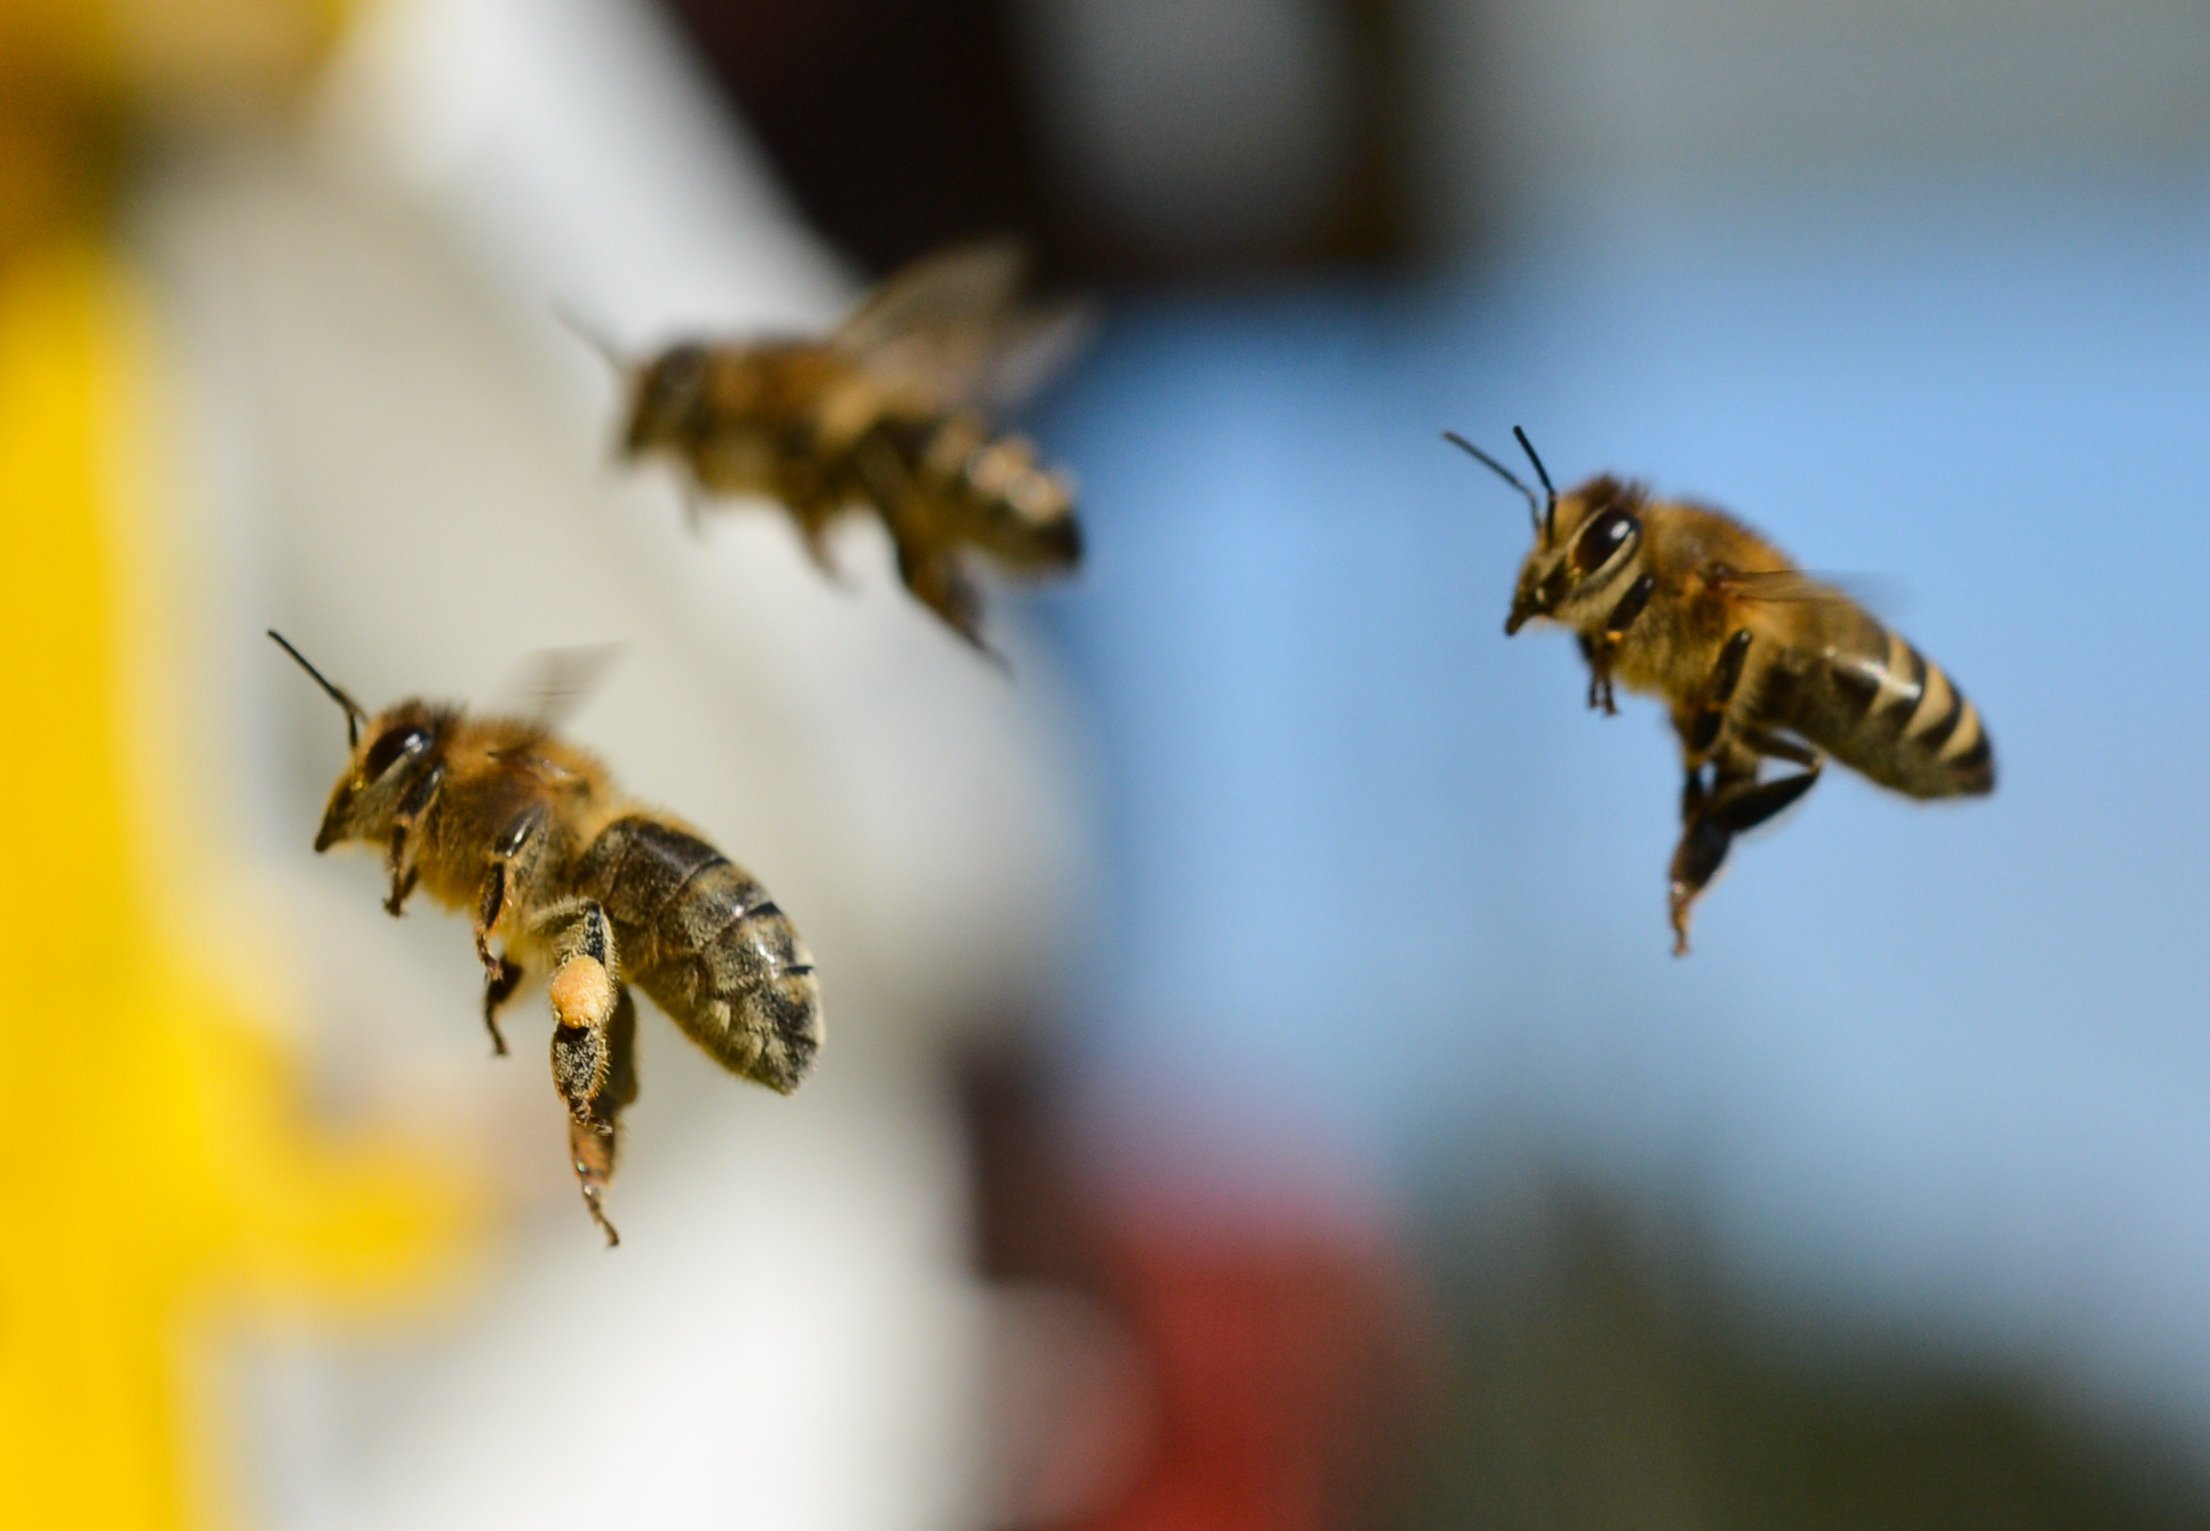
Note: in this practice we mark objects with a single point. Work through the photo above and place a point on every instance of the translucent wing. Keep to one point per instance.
(561, 679)
(966, 286)
(952, 327)
(1795, 585)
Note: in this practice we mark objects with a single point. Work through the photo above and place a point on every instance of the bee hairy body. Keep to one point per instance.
(807, 426)
(881, 415)
(501, 818)
(1822, 669)
(703, 939)
(1754, 660)
(1861, 692)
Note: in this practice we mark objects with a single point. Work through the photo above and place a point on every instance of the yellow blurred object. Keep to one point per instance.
(145, 56)
(161, 1181)
(77, 77)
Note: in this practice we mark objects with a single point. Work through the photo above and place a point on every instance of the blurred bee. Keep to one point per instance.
(1754, 658)
(888, 412)
(499, 817)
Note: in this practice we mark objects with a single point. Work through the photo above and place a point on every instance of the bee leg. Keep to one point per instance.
(1601, 649)
(933, 579)
(940, 585)
(1736, 802)
(1707, 720)
(1692, 795)
(497, 989)
(1755, 802)
(500, 976)
(694, 509)
(402, 875)
(1599, 676)
(813, 530)
(1781, 749)
(1705, 836)
(586, 999)
(411, 808)
(490, 906)
(592, 1145)
(815, 537)
(1695, 862)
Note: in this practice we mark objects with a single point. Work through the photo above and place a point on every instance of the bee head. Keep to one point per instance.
(1582, 539)
(390, 753)
(1592, 533)
(391, 756)
(670, 398)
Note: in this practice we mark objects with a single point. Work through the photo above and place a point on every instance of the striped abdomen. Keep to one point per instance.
(696, 933)
(1879, 706)
(984, 489)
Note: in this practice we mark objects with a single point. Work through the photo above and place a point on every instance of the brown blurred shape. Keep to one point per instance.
(905, 125)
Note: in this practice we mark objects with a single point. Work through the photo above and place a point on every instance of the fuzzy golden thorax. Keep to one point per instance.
(454, 785)
(1608, 536)
(783, 391)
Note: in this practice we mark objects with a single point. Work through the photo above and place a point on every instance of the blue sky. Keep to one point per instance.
(1375, 867)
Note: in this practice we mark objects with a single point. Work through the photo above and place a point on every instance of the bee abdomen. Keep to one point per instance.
(700, 936)
(1888, 711)
(1019, 509)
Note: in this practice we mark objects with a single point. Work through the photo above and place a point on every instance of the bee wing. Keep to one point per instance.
(952, 328)
(560, 680)
(1798, 586)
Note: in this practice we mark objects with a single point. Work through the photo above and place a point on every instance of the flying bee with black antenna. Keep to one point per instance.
(1755, 660)
(499, 817)
(891, 412)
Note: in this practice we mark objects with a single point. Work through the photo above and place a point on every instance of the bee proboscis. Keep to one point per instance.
(500, 817)
(1755, 659)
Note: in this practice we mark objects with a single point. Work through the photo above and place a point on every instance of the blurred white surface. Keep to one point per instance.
(405, 470)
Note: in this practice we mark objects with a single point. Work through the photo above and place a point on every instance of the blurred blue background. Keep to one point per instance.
(1377, 867)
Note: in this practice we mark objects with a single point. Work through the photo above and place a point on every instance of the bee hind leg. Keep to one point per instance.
(1735, 802)
(814, 522)
(594, 1024)
(592, 1144)
(940, 585)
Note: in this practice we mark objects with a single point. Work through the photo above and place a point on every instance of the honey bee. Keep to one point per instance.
(1754, 658)
(886, 413)
(499, 817)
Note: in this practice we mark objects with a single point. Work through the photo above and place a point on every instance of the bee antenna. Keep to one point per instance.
(354, 715)
(1550, 513)
(592, 336)
(1534, 502)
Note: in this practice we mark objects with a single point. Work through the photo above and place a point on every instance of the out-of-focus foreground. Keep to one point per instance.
(1256, 1091)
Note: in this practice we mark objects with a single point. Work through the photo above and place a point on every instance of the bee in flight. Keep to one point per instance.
(889, 413)
(499, 817)
(1755, 659)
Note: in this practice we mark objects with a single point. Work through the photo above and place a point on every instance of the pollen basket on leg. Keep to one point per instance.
(582, 992)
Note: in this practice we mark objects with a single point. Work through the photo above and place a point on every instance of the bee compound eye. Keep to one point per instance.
(392, 744)
(1610, 531)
